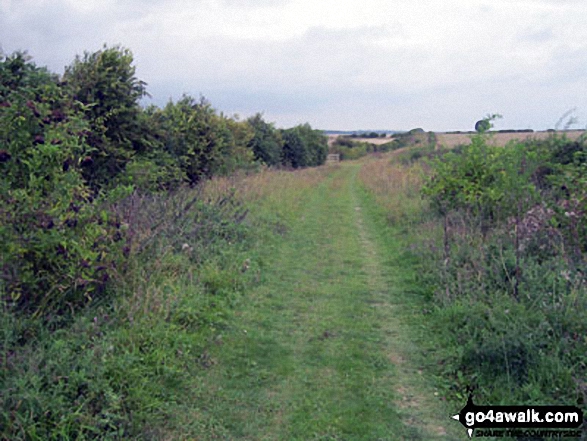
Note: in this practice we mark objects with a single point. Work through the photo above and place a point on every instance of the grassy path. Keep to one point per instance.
(320, 349)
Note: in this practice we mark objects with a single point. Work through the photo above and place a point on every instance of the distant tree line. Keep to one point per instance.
(348, 147)
(367, 135)
(71, 144)
(456, 132)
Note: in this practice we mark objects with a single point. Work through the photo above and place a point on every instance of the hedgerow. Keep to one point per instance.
(58, 246)
(508, 277)
(71, 145)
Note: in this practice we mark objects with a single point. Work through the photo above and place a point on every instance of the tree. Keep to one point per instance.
(196, 136)
(304, 146)
(482, 126)
(267, 143)
(105, 83)
(486, 124)
(294, 149)
(236, 153)
(317, 145)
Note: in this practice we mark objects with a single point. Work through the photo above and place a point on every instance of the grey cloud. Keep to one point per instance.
(320, 56)
(55, 32)
(569, 66)
(35, 29)
(322, 72)
(335, 78)
(559, 2)
(537, 36)
(255, 3)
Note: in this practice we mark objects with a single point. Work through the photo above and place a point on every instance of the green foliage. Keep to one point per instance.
(124, 369)
(485, 124)
(294, 149)
(154, 168)
(19, 74)
(486, 182)
(155, 171)
(203, 142)
(70, 147)
(304, 147)
(570, 205)
(507, 279)
(106, 85)
(482, 126)
(266, 143)
(349, 149)
(236, 154)
(316, 144)
(58, 247)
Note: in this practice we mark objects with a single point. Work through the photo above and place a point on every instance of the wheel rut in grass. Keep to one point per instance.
(316, 350)
(415, 402)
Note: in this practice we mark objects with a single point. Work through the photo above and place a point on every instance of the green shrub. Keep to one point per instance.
(303, 147)
(58, 248)
(204, 143)
(105, 83)
(482, 126)
(349, 149)
(506, 276)
(266, 143)
(123, 368)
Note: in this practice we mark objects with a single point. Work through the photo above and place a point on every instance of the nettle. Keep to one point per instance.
(57, 247)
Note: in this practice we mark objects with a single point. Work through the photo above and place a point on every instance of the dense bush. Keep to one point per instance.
(91, 194)
(304, 147)
(486, 183)
(266, 143)
(58, 247)
(122, 369)
(509, 278)
(197, 137)
(70, 146)
(105, 83)
(237, 153)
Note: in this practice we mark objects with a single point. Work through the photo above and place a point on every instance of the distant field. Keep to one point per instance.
(453, 139)
(376, 141)
(501, 139)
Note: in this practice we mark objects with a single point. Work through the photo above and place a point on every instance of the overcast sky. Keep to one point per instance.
(337, 64)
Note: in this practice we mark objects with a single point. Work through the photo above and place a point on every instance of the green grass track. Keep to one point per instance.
(320, 348)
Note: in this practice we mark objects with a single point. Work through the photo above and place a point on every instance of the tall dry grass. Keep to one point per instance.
(396, 187)
(268, 189)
